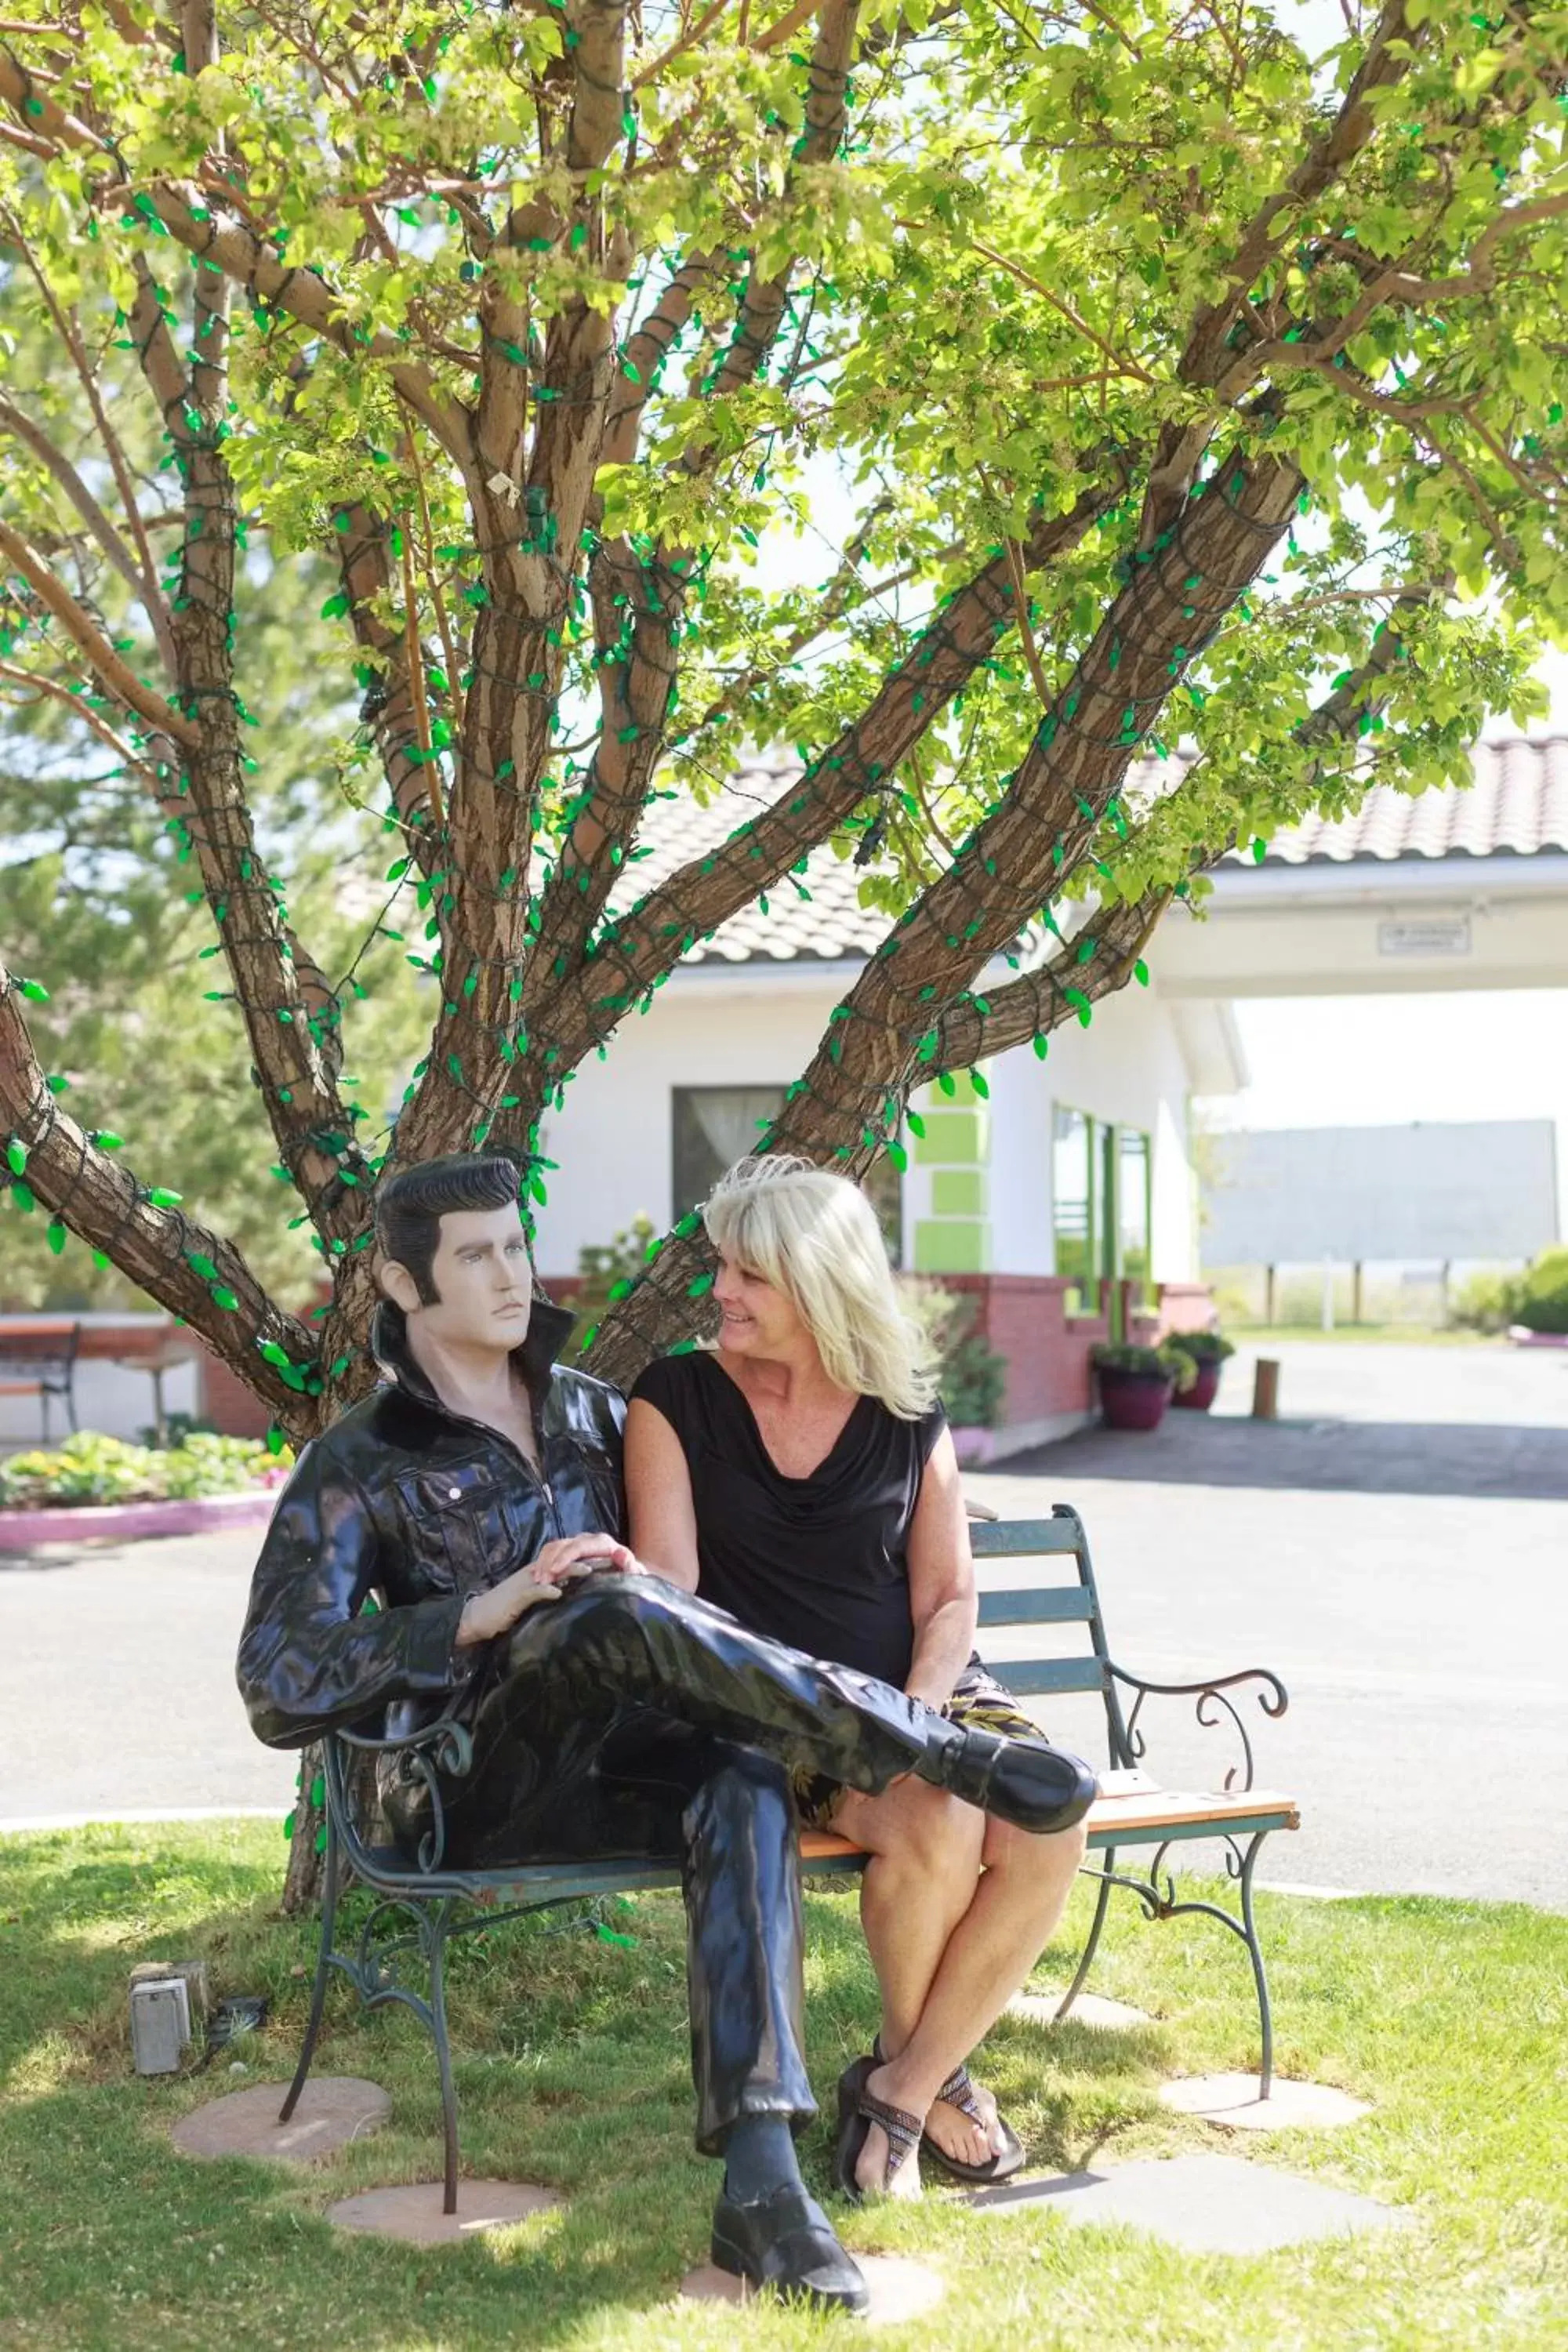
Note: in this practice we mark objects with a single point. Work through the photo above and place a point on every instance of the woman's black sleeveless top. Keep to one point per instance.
(819, 1563)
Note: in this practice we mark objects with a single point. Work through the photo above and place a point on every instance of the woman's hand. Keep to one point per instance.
(562, 1563)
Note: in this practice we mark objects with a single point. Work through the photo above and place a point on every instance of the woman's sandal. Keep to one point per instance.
(859, 2109)
(958, 2092)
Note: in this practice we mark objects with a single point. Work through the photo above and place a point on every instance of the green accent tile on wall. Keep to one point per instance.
(953, 1138)
(947, 1245)
(958, 1193)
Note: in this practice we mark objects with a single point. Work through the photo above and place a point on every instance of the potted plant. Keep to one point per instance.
(973, 1380)
(1136, 1383)
(1206, 1351)
(971, 1377)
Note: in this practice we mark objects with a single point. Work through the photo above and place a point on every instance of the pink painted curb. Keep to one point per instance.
(1523, 1337)
(124, 1522)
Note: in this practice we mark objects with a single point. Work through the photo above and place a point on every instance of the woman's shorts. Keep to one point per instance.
(978, 1703)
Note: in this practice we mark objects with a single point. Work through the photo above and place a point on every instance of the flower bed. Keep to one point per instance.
(100, 1489)
(94, 1470)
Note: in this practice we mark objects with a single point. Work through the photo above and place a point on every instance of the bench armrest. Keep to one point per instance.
(1272, 1698)
(420, 1758)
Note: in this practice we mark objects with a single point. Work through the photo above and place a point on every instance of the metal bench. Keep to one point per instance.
(38, 1358)
(423, 1904)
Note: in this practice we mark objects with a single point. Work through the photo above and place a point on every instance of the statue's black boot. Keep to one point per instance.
(785, 2241)
(1024, 1781)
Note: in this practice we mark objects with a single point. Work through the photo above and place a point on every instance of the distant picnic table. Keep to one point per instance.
(40, 1354)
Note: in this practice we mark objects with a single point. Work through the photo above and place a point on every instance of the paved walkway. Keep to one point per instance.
(1395, 1548)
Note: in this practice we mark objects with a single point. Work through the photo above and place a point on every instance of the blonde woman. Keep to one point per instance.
(802, 1476)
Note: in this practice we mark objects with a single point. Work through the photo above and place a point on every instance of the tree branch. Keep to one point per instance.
(1390, 54)
(70, 332)
(55, 461)
(309, 297)
(98, 1199)
(95, 649)
(636, 949)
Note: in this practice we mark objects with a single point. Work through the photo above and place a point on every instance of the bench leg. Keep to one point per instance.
(1160, 1902)
(1101, 1904)
(1241, 1867)
(436, 1952)
(324, 1970)
(1259, 1973)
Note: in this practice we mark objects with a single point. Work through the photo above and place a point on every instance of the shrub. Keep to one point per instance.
(1203, 1347)
(970, 1376)
(90, 1468)
(1487, 1302)
(605, 1271)
(1541, 1297)
(1165, 1362)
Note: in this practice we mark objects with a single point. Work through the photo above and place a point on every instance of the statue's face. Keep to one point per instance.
(481, 1275)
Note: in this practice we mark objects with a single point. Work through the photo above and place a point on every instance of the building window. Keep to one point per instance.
(712, 1127)
(1134, 1180)
(1100, 1205)
(1073, 1208)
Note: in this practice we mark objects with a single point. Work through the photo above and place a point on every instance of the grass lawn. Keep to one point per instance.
(1452, 2019)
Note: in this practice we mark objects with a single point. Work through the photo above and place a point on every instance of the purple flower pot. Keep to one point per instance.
(973, 1445)
(1133, 1400)
(1202, 1392)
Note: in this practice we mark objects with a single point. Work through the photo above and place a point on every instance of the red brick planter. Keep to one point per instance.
(124, 1522)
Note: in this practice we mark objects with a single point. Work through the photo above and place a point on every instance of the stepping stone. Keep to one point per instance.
(1207, 2204)
(1089, 2008)
(1232, 2100)
(413, 2212)
(333, 2109)
(900, 2289)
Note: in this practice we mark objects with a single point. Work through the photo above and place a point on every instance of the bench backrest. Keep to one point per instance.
(25, 1352)
(1038, 1572)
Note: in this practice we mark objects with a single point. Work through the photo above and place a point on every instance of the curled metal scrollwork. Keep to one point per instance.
(419, 1761)
(1212, 1703)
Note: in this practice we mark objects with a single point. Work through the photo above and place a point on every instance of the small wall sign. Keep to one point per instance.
(1425, 935)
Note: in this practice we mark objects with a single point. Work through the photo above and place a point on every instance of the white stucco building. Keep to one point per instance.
(1069, 1194)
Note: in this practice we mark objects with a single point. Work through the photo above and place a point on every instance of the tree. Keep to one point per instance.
(1183, 386)
(94, 892)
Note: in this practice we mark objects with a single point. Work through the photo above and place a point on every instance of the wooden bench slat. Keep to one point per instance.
(1024, 1538)
(1145, 1813)
(1063, 1604)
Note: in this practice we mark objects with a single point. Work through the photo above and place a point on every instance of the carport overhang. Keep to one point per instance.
(1373, 925)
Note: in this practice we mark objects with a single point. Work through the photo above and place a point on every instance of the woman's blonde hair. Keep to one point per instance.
(815, 1236)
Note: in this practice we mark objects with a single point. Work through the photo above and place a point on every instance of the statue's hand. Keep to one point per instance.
(559, 1564)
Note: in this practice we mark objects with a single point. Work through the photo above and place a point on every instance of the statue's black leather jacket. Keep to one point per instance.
(416, 1505)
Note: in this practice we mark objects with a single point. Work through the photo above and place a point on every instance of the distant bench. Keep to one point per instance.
(1058, 1592)
(40, 1354)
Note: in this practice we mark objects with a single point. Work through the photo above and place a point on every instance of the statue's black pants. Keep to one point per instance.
(631, 1721)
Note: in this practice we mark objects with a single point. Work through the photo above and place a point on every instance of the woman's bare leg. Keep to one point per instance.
(925, 1849)
(987, 1954)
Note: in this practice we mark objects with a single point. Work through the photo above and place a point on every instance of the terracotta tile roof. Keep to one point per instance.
(826, 925)
(1516, 805)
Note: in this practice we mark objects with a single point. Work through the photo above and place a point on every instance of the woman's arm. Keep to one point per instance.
(942, 1580)
(660, 1515)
